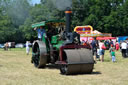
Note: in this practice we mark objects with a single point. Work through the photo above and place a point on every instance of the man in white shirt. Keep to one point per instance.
(9, 45)
(27, 47)
(124, 48)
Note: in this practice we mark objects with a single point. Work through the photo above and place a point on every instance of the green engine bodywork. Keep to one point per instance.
(56, 42)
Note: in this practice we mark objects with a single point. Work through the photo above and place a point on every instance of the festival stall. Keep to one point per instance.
(87, 33)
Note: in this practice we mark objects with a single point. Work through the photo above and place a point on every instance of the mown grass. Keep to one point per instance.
(16, 69)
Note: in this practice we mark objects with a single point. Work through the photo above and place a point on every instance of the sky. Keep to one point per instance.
(35, 1)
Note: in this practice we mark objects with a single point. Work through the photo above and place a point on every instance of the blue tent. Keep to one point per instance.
(122, 38)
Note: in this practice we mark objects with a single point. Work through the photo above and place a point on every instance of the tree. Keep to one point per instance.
(6, 27)
(17, 10)
(13, 14)
(17, 16)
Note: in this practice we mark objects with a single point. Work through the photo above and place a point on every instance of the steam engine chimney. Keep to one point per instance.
(68, 19)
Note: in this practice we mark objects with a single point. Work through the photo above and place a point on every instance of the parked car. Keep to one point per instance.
(12, 44)
(19, 45)
(1, 45)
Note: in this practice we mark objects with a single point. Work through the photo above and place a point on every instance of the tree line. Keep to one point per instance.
(17, 16)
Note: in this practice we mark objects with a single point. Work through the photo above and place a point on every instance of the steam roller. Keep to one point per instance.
(61, 46)
(77, 62)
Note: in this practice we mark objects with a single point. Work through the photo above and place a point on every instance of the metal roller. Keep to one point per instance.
(78, 61)
(39, 54)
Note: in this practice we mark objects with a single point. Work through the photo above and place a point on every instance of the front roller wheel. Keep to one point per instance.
(78, 61)
(39, 52)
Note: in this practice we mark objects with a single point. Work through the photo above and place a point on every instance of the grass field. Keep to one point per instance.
(16, 69)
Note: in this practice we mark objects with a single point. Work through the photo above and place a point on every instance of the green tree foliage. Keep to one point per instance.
(17, 10)
(6, 27)
(17, 16)
(14, 14)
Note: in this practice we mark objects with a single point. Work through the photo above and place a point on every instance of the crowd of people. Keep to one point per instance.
(9, 45)
(99, 46)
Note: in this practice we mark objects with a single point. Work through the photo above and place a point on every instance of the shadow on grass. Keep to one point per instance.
(96, 73)
(108, 60)
(52, 66)
(0, 65)
(84, 74)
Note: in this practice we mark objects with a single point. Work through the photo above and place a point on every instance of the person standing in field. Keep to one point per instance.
(102, 50)
(112, 48)
(111, 43)
(123, 48)
(127, 49)
(113, 55)
(117, 46)
(27, 47)
(6, 46)
(94, 46)
(9, 45)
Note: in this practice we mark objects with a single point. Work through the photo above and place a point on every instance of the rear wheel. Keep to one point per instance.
(36, 57)
(39, 57)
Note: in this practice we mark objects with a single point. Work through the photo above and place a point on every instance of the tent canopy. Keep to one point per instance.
(44, 23)
(96, 33)
(103, 38)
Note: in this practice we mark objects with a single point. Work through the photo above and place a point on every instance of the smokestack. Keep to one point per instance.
(68, 19)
